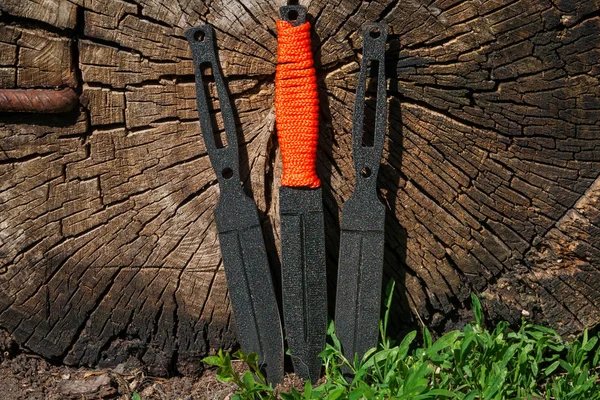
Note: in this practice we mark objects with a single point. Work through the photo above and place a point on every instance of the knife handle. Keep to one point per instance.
(224, 159)
(367, 157)
(296, 100)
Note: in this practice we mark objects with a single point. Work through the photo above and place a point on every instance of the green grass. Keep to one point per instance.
(475, 363)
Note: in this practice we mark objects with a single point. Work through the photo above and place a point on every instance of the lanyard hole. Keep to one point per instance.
(292, 15)
(227, 173)
(365, 172)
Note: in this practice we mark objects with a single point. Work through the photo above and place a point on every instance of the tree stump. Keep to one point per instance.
(108, 246)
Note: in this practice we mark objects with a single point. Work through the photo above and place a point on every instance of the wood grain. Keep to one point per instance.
(108, 247)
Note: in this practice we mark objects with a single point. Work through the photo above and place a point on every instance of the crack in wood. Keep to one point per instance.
(106, 229)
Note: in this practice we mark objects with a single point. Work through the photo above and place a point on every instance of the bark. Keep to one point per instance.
(108, 247)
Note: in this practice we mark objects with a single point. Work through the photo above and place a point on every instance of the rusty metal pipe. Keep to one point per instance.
(38, 100)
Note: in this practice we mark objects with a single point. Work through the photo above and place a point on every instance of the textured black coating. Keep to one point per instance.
(242, 245)
(304, 278)
(303, 263)
(300, 12)
(358, 297)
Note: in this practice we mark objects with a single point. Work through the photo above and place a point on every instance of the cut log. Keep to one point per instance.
(108, 246)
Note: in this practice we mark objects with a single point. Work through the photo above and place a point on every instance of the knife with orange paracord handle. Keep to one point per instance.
(300, 200)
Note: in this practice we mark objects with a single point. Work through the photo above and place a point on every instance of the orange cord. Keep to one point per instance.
(296, 106)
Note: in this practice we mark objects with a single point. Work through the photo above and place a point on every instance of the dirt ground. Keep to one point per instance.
(30, 377)
(26, 376)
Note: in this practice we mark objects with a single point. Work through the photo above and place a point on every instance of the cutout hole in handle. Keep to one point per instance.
(227, 173)
(375, 33)
(214, 110)
(365, 172)
(368, 137)
(199, 35)
(292, 15)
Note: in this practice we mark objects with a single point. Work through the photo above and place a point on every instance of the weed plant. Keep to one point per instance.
(476, 363)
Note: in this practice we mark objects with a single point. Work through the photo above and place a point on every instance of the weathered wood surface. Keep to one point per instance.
(108, 247)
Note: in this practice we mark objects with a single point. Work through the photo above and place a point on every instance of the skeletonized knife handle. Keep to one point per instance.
(367, 157)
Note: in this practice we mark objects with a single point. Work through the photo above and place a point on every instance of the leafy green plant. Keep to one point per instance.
(532, 362)
(252, 383)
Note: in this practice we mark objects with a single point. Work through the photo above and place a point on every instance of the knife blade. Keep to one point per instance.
(304, 283)
(359, 281)
(249, 280)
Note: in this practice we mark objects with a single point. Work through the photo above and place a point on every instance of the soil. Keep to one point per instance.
(27, 376)
(32, 378)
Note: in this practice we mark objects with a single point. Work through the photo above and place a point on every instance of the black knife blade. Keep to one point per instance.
(243, 250)
(358, 296)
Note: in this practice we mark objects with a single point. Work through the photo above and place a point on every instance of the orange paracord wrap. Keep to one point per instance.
(296, 106)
